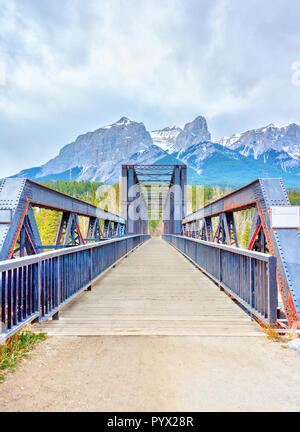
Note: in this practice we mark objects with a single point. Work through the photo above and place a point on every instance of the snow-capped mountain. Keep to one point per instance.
(174, 139)
(219, 165)
(192, 134)
(269, 143)
(166, 138)
(98, 155)
(258, 141)
(266, 152)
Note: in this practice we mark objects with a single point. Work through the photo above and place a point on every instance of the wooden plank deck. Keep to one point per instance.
(154, 291)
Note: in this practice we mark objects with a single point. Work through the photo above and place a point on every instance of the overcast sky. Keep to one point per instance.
(68, 67)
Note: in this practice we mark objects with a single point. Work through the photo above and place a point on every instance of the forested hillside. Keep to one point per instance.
(294, 196)
(82, 190)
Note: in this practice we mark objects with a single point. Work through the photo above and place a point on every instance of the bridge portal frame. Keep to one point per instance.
(134, 204)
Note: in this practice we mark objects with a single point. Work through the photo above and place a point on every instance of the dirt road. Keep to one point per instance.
(141, 373)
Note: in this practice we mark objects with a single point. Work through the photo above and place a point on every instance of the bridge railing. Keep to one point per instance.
(250, 277)
(38, 286)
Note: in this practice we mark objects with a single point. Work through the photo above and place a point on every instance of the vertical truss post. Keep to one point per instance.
(94, 232)
(226, 230)
(206, 232)
(170, 222)
(124, 189)
(203, 230)
(108, 230)
(29, 238)
(69, 233)
(183, 181)
(62, 228)
(220, 236)
(257, 238)
(116, 229)
(178, 200)
(134, 207)
(131, 223)
(193, 230)
(231, 227)
(175, 205)
(123, 230)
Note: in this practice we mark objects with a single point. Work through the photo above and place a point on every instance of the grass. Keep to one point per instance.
(16, 348)
(273, 334)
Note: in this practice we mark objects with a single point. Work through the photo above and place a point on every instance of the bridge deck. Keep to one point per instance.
(154, 291)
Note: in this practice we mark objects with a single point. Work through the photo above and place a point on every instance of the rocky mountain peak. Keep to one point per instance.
(124, 121)
(279, 146)
(193, 133)
(199, 125)
(98, 155)
(101, 153)
(166, 138)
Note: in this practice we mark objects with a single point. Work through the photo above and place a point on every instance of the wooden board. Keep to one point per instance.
(155, 291)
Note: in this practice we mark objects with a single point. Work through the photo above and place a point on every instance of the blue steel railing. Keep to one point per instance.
(38, 286)
(250, 277)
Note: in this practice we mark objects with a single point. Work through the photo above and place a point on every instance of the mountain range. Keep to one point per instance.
(228, 161)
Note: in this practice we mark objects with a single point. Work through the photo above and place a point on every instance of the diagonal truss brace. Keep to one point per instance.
(257, 239)
(206, 232)
(226, 230)
(94, 232)
(108, 230)
(69, 233)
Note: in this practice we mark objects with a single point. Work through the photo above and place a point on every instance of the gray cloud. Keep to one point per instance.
(73, 66)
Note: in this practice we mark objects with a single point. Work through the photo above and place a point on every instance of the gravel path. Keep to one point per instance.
(163, 373)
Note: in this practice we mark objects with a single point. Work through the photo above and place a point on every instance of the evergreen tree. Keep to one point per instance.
(246, 234)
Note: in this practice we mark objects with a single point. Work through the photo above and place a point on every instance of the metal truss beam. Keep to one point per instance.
(206, 232)
(240, 199)
(18, 229)
(283, 243)
(42, 196)
(94, 232)
(69, 233)
(226, 230)
(137, 179)
(175, 202)
(28, 239)
(134, 206)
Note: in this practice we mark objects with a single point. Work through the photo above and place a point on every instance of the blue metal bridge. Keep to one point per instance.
(35, 283)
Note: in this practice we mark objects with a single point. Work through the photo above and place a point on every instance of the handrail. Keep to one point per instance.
(38, 286)
(11, 264)
(250, 277)
(245, 252)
